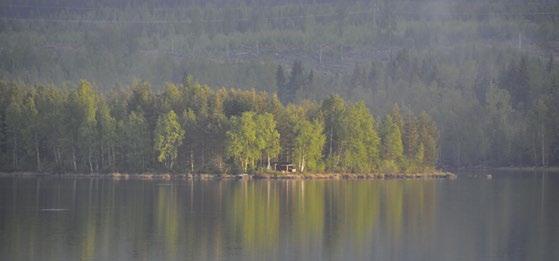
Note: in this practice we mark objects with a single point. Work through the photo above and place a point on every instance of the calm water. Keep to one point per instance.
(514, 216)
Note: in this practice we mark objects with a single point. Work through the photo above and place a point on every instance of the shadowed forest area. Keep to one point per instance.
(485, 71)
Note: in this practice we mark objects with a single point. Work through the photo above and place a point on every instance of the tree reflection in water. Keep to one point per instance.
(467, 219)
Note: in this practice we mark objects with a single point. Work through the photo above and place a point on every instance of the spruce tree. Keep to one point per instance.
(392, 141)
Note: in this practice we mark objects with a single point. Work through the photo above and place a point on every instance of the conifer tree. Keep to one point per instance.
(281, 83)
(410, 137)
(428, 138)
(392, 141)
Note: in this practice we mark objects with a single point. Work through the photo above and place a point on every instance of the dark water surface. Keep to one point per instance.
(513, 216)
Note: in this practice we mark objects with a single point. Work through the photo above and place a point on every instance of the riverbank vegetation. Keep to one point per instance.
(192, 128)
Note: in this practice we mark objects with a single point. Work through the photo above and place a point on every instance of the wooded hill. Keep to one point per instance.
(486, 71)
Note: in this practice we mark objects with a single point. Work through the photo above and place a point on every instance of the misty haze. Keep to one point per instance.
(279, 130)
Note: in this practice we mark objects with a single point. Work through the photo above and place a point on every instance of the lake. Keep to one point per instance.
(512, 216)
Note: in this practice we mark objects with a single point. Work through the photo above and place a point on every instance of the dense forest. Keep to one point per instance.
(484, 70)
(193, 128)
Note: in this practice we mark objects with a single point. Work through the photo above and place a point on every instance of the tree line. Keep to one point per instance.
(484, 70)
(192, 128)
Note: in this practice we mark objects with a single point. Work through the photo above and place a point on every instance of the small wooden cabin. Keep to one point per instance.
(284, 167)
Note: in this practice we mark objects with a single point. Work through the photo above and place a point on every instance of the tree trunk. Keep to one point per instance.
(102, 164)
(203, 157)
(15, 154)
(191, 160)
(269, 166)
(74, 163)
(37, 157)
(543, 145)
(331, 135)
(55, 153)
(109, 157)
(535, 149)
(89, 160)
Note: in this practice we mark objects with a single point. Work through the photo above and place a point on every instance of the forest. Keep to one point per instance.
(485, 71)
(192, 128)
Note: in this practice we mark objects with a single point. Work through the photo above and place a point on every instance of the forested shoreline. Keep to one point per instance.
(485, 71)
(192, 128)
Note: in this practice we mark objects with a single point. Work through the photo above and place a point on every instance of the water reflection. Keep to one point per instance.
(513, 218)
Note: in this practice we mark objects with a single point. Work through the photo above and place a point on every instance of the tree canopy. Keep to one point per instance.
(50, 128)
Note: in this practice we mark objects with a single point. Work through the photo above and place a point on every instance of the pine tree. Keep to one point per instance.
(281, 84)
(428, 135)
(392, 141)
(411, 136)
(397, 117)
(298, 81)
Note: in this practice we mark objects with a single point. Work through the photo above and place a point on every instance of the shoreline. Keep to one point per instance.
(508, 169)
(259, 176)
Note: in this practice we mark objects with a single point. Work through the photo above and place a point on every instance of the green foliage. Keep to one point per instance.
(360, 141)
(333, 110)
(168, 137)
(107, 131)
(134, 130)
(14, 124)
(134, 141)
(390, 167)
(410, 137)
(268, 137)
(298, 81)
(242, 144)
(392, 141)
(308, 144)
(84, 101)
(484, 93)
(428, 138)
